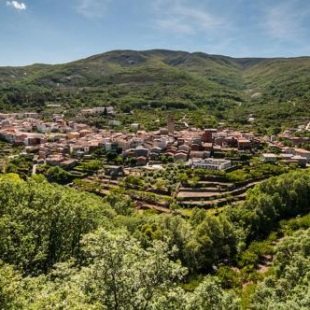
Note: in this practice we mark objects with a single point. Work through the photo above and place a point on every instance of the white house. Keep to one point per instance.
(212, 163)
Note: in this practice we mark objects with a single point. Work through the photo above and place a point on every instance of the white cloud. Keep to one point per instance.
(92, 8)
(20, 6)
(180, 16)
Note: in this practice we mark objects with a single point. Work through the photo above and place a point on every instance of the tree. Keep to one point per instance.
(125, 276)
(58, 175)
(270, 201)
(214, 240)
(42, 224)
(10, 287)
(210, 296)
(133, 181)
(111, 156)
(92, 165)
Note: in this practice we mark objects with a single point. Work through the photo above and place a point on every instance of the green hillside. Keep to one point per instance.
(164, 80)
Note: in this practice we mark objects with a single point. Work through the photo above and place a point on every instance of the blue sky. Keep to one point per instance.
(58, 31)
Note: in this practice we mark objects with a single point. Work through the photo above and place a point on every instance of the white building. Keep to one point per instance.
(212, 163)
(269, 158)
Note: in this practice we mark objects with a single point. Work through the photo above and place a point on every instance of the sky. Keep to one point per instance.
(59, 31)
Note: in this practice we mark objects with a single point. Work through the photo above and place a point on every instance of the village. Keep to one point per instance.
(64, 143)
(166, 169)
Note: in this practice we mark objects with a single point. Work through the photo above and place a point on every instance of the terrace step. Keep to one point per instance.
(213, 203)
(153, 207)
(195, 195)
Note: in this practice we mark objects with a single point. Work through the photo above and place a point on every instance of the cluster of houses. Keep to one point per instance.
(293, 154)
(289, 156)
(192, 145)
(62, 142)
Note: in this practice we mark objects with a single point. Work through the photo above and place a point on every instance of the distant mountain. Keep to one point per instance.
(158, 77)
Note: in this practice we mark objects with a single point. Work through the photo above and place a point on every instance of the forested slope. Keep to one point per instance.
(161, 79)
(63, 249)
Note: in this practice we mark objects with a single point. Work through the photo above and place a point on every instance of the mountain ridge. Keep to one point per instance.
(160, 78)
(158, 50)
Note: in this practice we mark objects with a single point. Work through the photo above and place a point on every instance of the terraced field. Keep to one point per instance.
(205, 195)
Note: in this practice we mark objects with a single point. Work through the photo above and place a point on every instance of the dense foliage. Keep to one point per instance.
(65, 249)
(42, 224)
(288, 285)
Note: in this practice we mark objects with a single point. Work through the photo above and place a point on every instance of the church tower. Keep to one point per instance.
(170, 123)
